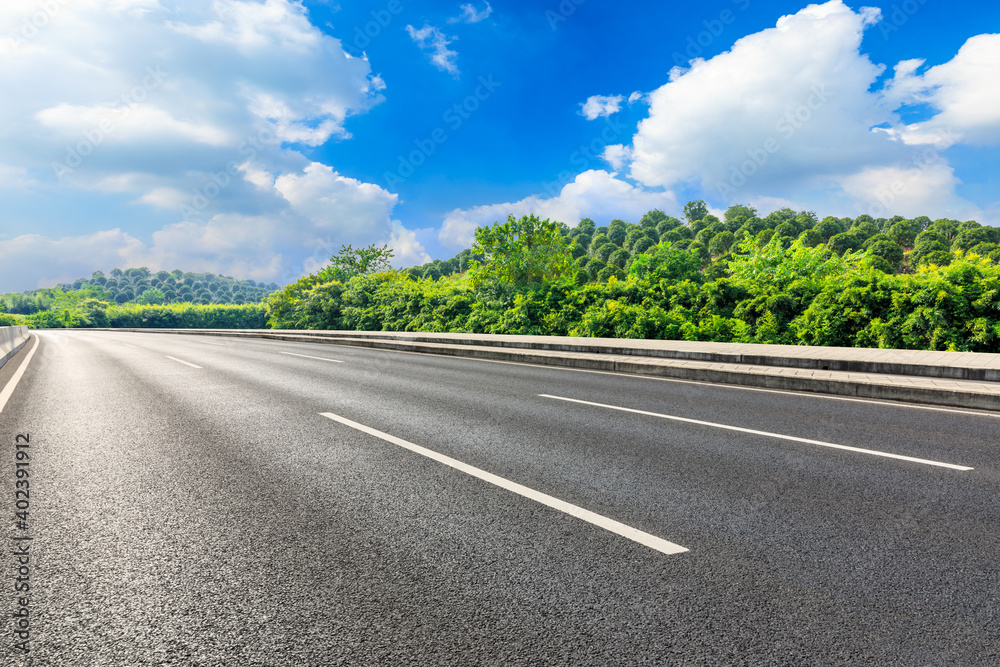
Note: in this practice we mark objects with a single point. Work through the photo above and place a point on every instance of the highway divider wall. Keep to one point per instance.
(12, 339)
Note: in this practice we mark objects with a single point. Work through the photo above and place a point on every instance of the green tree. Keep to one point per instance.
(653, 218)
(93, 313)
(695, 210)
(721, 243)
(597, 242)
(787, 229)
(617, 234)
(945, 227)
(904, 232)
(929, 243)
(350, 262)
(970, 237)
(811, 238)
(888, 250)
(605, 251)
(642, 245)
(844, 242)
(864, 229)
(737, 215)
(594, 268)
(619, 258)
(522, 252)
(151, 296)
(667, 225)
(587, 226)
(829, 227)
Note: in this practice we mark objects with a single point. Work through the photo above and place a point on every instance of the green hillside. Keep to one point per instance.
(141, 286)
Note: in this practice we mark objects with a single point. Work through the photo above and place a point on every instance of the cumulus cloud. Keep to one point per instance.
(407, 249)
(965, 92)
(227, 244)
(262, 247)
(617, 155)
(593, 194)
(191, 110)
(811, 128)
(472, 15)
(332, 202)
(797, 88)
(601, 106)
(434, 42)
(255, 26)
(908, 191)
(65, 259)
(103, 77)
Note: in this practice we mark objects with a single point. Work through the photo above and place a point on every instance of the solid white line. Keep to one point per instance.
(209, 342)
(611, 525)
(12, 383)
(306, 356)
(183, 362)
(714, 385)
(764, 433)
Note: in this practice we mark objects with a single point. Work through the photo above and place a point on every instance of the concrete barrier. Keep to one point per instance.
(955, 379)
(12, 339)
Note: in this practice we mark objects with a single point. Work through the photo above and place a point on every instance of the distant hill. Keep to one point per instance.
(143, 286)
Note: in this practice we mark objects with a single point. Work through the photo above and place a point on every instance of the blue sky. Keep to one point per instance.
(254, 137)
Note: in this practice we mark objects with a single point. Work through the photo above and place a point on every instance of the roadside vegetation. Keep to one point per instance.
(140, 298)
(786, 278)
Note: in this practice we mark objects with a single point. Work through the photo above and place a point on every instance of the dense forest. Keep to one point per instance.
(785, 278)
(141, 286)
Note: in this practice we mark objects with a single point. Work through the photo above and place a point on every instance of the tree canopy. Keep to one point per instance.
(521, 252)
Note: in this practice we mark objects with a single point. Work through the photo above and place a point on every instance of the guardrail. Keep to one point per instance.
(12, 339)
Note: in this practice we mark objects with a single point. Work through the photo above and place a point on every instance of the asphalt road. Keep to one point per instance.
(212, 501)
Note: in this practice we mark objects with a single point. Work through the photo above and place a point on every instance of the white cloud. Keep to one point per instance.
(617, 155)
(598, 106)
(636, 97)
(593, 194)
(169, 198)
(332, 202)
(472, 15)
(908, 191)
(255, 26)
(261, 247)
(65, 259)
(810, 127)
(246, 247)
(795, 89)
(128, 124)
(432, 40)
(407, 250)
(15, 177)
(186, 108)
(964, 91)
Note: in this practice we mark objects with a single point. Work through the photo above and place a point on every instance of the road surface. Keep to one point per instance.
(211, 501)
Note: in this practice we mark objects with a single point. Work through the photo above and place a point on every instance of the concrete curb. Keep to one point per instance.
(614, 357)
